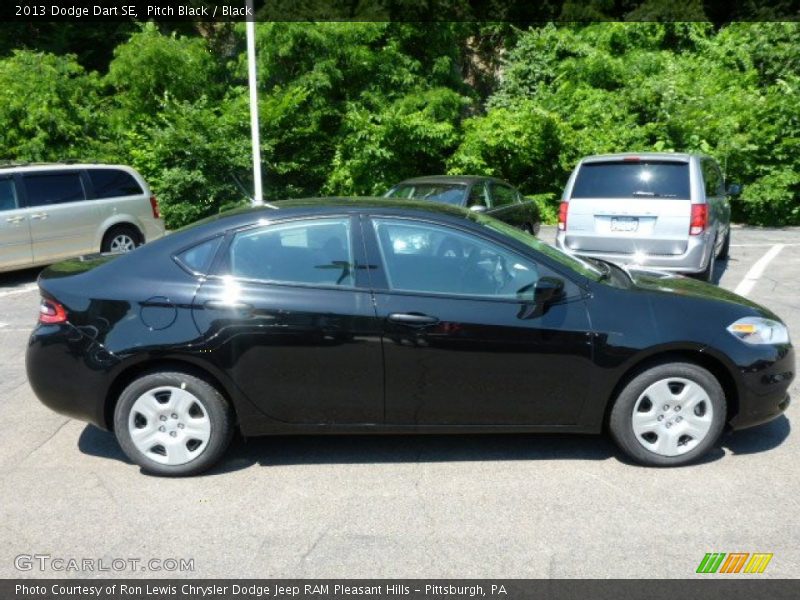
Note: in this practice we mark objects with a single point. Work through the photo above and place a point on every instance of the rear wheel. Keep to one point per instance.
(120, 239)
(669, 414)
(708, 273)
(173, 423)
(726, 247)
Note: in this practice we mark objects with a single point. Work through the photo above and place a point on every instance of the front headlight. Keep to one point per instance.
(757, 330)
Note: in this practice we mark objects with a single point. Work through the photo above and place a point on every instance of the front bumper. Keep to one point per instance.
(764, 389)
(693, 260)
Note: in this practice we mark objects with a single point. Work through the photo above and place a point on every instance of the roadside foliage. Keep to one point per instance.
(351, 108)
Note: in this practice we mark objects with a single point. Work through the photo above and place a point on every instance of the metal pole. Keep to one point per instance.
(258, 195)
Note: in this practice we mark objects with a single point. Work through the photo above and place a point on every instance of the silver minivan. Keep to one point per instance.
(662, 210)
(49, 212)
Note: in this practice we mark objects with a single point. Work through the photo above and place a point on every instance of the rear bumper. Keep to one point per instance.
(693, 260)
(69, 372)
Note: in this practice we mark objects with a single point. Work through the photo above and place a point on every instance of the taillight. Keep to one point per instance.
(154, 206)
(51, 312)
(562, 215)
(699, 219)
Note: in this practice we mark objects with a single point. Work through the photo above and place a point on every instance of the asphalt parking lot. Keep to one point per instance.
(398, 506)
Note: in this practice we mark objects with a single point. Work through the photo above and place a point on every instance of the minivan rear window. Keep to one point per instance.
(639, 179)
(111, 183)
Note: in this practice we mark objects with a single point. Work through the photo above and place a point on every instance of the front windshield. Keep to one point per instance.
(568, 260)
(448, 193)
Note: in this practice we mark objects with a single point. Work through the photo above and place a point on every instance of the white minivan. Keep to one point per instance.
(50, 212)
(661, 210)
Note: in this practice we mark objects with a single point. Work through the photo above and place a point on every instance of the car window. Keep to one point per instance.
(477, 195)
(448, 193)
(632, 179)
(54, 188)
(503, 195)
(110, 183)
(198, 258)
(711, 178)
(311, 251)
(8, 199)
(429, 258)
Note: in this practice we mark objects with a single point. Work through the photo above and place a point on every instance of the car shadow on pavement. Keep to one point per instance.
(758, 439)
(14, 279)
(273, 451)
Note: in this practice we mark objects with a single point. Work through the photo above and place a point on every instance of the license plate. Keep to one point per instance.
(624, 224)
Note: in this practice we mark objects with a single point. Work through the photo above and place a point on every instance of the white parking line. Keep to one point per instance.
(757, 270)
(762, 245)
(28, 288)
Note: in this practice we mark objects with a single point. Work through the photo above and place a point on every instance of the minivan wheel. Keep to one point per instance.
(121, 239)
(707, 274)
(726, 247)
(172, 423)
(669, 415)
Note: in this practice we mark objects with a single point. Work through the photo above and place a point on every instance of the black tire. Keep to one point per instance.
(622, 414)
(210, 404)
(726, 247)
(118, 232)
(708, 273)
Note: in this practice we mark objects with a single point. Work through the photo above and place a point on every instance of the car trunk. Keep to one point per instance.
(630, 206)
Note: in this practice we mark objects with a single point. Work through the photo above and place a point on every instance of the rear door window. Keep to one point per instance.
(54, 188)
(111, 183)
(503, 195)
(8, 198)
(309, 251)
(634, 179)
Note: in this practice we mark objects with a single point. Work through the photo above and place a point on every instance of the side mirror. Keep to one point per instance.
(734, 189)
(478, 208)
(537, 297)
(547, 289)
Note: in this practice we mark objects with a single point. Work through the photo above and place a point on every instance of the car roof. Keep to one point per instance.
(682, 157)
(462, 179)
(66, 165)
(329, 205)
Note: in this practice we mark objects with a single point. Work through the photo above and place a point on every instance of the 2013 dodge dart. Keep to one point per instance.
(376, 315)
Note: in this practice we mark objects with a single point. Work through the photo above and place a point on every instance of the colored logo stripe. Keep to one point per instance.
(758, 563)
(713, 562)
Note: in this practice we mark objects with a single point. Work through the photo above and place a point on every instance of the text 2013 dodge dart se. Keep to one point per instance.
(374, 315)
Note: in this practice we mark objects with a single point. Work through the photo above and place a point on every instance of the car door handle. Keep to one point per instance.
(232, 306)
(412, 319)
(15, 219)
(39, 216)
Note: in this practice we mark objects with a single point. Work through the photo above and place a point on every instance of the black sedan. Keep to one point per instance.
(489, 195)
(373, 315)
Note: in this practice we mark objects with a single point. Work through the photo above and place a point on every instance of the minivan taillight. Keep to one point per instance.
(51, 312)
(699, 219)
(154, 206)
(562, 216)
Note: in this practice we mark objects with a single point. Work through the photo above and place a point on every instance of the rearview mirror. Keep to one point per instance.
(734, 189)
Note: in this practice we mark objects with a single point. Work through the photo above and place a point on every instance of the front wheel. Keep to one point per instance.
(173, 423)
(669, 414)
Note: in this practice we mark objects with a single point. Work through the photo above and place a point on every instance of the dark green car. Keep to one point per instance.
(489, 195)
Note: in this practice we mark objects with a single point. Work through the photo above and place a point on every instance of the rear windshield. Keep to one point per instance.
(640, 179)
(449, 193)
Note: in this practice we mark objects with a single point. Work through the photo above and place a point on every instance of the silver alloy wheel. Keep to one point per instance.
(672, 416)
(169, 425)
(121, 243)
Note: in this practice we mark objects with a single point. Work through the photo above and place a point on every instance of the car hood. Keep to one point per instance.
(670, 283)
